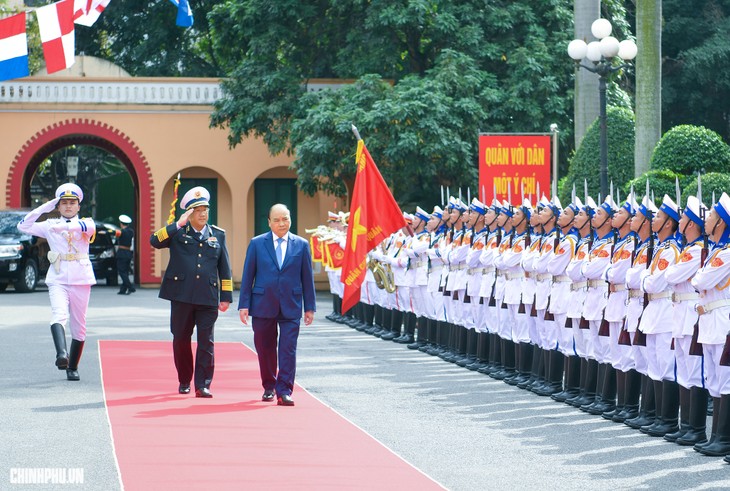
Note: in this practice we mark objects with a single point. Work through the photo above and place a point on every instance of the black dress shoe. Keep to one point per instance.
(203, 392)
(268, 396)
(123, 291)
(130, 291)
(184, 389)
(285, 400)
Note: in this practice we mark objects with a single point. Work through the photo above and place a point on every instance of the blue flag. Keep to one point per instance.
(184, 13)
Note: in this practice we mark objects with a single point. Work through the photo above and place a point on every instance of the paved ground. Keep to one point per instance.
(463, 429)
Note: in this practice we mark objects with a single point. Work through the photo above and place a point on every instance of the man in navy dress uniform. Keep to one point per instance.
(198, 282)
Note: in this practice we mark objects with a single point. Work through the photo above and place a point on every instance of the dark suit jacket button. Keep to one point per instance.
(197, 276)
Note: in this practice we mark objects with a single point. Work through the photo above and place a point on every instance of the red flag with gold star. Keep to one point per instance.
(374, 215)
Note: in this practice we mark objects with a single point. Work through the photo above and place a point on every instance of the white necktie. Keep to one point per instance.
(279, 255)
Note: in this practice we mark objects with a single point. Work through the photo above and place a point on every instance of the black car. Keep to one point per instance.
(23, 258)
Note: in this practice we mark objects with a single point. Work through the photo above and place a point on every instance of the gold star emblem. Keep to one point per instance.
(357, 229)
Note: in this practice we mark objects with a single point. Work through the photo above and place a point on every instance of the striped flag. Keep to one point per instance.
(86, 12)
(56, 24)
(13, 48)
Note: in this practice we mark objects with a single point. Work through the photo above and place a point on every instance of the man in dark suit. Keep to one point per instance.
(277, 276)
(199, 267)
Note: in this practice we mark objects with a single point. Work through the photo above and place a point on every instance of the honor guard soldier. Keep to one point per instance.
(657, 321)
(599, 259)
(124, 254)
(712, 281)
(636, 362)
(71, 275)
(560, 298)
(615, 313)
(198, 283)
(687, 352)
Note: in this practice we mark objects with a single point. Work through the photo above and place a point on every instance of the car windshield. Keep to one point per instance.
(9, 222)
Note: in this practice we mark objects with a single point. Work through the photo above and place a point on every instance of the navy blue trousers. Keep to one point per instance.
(183, 318)
(265, 334)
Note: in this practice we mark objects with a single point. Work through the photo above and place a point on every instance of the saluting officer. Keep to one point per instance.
(71, 275)
(198, 283)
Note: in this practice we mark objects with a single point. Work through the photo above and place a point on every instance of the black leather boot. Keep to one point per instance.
(658, 400)
(420, 334)
(591, 383)
(720, 445)
(470, 354)
(647, 411)
(607, 387)
(535, 364)
(572, 380)
(508, 360)
(333, 314)
(524, 365)
(396, 321)
(598, 400)
(632, 392)
(59, 340)
(493, 359)
(582, 376)
(482, 351)
(667, 420)
(683, 416)
(620, 394)
(697, 432)
(409, 329)
(77, 347)
(554, 381)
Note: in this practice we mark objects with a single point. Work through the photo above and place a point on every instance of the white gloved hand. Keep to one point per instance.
(49, 206)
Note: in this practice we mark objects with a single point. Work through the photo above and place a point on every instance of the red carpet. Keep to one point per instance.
(164, 440)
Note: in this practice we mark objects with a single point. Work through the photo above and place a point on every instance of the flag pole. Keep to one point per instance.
(357, 133)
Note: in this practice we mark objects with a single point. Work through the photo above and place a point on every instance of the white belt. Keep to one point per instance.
(417, 264)
(488, 270)
(55, 258)
(578, 285)
(635, 293)
(616, 287)
(543, 276)
(596, 283)
(437, 267)
(514, 276)
(562, 278)
(704, 309)
(682, 297)
(659, 296)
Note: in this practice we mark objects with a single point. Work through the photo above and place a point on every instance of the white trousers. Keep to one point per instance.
(70, 301)
(689, 367)
(660, 356)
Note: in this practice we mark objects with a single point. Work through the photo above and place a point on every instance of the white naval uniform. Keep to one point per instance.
(689, 367)
(474, 274)
(578, 296)
(638, 358)
(71, 274)
(526, 324)
(560, 291)
(657, 322)
(435, 268)
(417, 272)
(509, 262)
(490, 315)
(615, 313)
(594, 269)
(546, 329)
(712, 281)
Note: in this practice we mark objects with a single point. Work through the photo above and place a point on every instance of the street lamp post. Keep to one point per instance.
(602, 54)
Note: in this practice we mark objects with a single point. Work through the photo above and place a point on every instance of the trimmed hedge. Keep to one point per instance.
(661, 182)
(688, 149)
(585, 163)
(714, 181)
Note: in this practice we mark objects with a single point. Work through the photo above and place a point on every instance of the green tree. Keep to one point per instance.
(696, 47)
(713, 184)
(661, 182)
(142, 38)
(427, 122)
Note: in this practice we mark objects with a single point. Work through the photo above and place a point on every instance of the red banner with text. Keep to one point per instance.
(512, 164)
